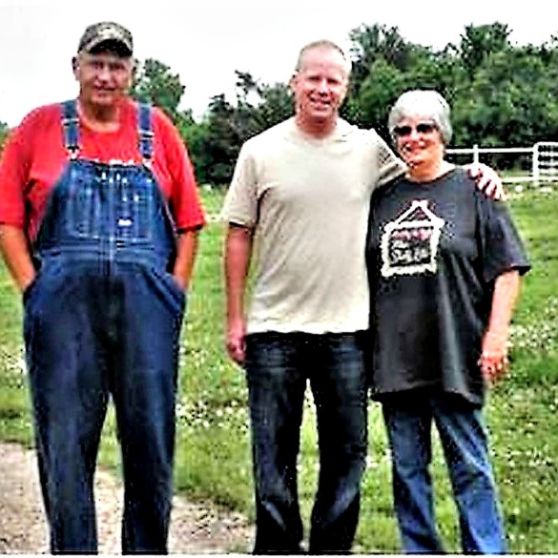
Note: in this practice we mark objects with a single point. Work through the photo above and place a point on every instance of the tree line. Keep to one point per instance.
(501, 94)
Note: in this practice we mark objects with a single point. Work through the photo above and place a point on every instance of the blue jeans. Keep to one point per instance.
(460, 425)
(278, 367)
(86, 339)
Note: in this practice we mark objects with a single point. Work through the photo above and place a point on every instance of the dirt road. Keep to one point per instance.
(195, 528)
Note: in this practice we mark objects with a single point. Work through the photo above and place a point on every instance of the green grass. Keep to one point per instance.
(213, 446)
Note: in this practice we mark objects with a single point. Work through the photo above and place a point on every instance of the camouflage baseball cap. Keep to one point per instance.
(109, 32)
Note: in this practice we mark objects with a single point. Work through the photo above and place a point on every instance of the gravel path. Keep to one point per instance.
(195, 528)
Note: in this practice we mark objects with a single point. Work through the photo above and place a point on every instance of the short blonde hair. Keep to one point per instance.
(322, 44)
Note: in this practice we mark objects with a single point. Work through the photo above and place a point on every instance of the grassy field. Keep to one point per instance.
(213, 453)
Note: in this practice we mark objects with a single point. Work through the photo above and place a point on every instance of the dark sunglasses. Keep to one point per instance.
(421, 128)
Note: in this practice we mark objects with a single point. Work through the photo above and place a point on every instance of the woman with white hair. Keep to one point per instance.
(445, 264)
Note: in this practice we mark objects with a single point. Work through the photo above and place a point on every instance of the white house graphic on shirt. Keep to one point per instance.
(409, 245)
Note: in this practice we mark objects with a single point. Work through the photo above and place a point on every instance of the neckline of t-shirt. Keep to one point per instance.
(86, 128)
(337, 135)
(122, 124)
(440, 178)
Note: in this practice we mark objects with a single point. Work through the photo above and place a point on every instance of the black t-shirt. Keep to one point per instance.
(434, 251)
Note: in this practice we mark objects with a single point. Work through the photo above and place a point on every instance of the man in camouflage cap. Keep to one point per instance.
(98, 223)
(103, 34)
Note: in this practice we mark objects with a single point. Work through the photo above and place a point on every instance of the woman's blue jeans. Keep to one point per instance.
(464, 441)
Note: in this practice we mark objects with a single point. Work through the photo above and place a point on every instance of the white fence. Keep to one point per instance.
(543, 164)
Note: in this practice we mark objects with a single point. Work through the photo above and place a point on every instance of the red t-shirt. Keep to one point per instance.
(34, 159)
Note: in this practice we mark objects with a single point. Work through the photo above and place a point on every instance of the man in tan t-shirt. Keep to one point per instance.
(300, 199)
(300, 196)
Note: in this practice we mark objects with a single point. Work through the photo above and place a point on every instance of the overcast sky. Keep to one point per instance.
(204, 41)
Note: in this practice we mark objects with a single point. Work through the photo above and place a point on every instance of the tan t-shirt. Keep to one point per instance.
(308, 202)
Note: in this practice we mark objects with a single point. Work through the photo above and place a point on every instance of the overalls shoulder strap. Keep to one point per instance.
(145, 132)
(70, 124)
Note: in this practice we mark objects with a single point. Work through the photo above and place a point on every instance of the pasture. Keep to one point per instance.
(213, 446)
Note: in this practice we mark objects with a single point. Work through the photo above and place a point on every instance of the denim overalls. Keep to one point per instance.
(102, 317)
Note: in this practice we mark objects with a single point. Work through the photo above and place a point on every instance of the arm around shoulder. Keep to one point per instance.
(388, 164)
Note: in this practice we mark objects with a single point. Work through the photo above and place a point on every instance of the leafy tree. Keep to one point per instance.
(500, 94)
(480, 41)
(378, 91)
(246, 84)
(220, 142)
(154, 82)
(196, 138)
(3, 133)
(373, 42)
(511, 101)
(276, 104)
(441, 71)
(245, 117)
(259, 105)
(216, 142)
(385, 65)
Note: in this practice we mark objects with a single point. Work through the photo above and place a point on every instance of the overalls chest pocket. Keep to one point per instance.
(106, 202)
(83, 205)
(134, 206)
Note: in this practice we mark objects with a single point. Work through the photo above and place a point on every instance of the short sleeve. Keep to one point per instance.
(184, 198)
(502, 246)
(241, 204)
(14, 170)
